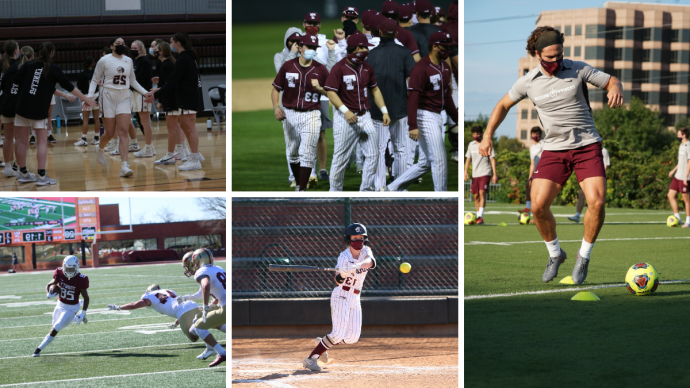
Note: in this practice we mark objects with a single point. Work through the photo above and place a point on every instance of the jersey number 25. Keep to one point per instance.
(120, 80)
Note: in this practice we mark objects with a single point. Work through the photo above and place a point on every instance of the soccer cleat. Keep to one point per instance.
(147, 152)
(125, 171)
(96, 140)
(32, 140)
(51, 139)
(8, 171)
(580, 270)
(552, 267)
(45, 180)
(169, 158)
(574, 219)
(686, 226)
(218, 360)
(26, 178)
(190, 165)
(480, 221)
(37, 352)
(82, 142)
(100, 154)
(311, 364)
(525, 210)
(206, 354)
(133, 147)
(324, 356)
(293, 183)
(312, 182)
(323, 175)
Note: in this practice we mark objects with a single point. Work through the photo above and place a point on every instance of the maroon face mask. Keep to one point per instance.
(552, 67)
(536, 139)
(444, 54)
(358, 58)
(357, 244)
(312, 30)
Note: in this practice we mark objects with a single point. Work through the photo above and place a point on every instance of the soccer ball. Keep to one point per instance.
(642, 279)
(470, 218)
(524, 218)
(672, 221)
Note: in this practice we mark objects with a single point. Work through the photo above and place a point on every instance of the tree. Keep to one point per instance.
(481, 121)
(506, 143)
(166, 214)
(215, 206)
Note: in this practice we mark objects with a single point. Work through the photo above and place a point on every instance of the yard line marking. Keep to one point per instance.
(50, 324)
(574, 241)
(571, 289)
(103, 350)
(579, 223)
(581, 215)
(109, 377)
(124, 330)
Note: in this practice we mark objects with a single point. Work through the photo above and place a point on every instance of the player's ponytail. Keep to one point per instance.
(166, 53)
(25, 54)
(44, 56)
(88, 61)
(9, 48)
(183, 39)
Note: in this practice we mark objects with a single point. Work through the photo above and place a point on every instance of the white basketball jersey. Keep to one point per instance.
(164, 302)
(115, 73)
(217, 277)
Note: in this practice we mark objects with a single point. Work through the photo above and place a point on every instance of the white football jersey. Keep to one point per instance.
(164, 302)
(346, 257)
(115, 73)
(217, 277)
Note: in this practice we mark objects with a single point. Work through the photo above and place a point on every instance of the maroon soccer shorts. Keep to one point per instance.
(556, 166)
(480, 183)
(677, 185)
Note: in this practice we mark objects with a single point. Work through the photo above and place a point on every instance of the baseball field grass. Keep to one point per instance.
(524, 333)
(259, 164)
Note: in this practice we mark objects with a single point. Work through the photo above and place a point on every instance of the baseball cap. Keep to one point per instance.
(441, 38)
(309, 40)
(350, 11)
(358, 39)
(440, 11)
(389, 8)
(388, 26)
(378, 19)
(367, 17)
(405, 13)
(312, 17)
(423, 6)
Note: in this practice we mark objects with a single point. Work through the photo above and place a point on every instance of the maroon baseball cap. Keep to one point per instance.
(376, 21)
(367, 17)
(312, 17)
(309, 40)
(388, 26)
(405, 13)
(423, 6)
(357, 40)
(351, 11)
(440, 11)
(389, 8)
(441, 38)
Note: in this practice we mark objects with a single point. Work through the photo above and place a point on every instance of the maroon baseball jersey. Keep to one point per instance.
(432, 82)
(294, 80)
(351, 84)
(70, 289)
(407, 39)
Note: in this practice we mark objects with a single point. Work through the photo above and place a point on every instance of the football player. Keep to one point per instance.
(165, 302)
(212, 280)
(71, 284)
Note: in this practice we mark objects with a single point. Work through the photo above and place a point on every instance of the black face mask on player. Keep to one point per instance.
(120, 49)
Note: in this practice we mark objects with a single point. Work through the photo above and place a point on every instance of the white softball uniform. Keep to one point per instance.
(164, 302)
(63, 314)
(431, 142)
(217, 277)
(345, 136)
(301, 135)
(396, 131)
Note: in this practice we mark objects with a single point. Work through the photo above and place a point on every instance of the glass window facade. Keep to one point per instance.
(525, 112)
(577, 51)
(523, 134)
(213, 241)
(566, 51)
(6, 255)
(57, 252)
(567, 30)
(107, 248)
(578, 29)
(534, 114)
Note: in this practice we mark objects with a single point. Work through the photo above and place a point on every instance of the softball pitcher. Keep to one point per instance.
(346, 310)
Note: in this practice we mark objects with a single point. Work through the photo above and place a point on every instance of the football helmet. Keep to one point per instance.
(186, 263)
(199, 258)
(153, 287)
(70, 266)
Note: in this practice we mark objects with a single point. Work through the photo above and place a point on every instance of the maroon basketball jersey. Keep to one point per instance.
(70, 289)
(432, 82)
(351, 84)
(294, 81)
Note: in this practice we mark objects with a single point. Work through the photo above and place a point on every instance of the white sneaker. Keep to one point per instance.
(112, 145)
(168, 158)
(82, 142)
(115, 152)
(125, 170)
(186, 150)
(9, 171)
(133, 147)
(190, 165)
(186, 158)
(147, 152)
(26, 178)
(100, 154)
(206, 354)
(96, 141)
(45, 180)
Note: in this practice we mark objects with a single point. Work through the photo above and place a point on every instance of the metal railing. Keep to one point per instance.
(491, 197)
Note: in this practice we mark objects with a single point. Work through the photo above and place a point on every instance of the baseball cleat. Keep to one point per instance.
(323, 175)
(206, 354)
(574, 219)
(312, 182)
(580, 270)
(324, 356)
(293, 183)
(311, 364)
(552, 267)
(218, 360)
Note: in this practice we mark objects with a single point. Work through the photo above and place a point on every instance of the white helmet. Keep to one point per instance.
(153, 287)
(203, 257)
(70, 266)
(187, 264)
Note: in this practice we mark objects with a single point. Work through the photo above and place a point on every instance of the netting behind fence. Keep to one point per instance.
(423, 233)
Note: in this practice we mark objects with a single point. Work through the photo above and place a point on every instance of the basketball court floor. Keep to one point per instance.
(76, 169)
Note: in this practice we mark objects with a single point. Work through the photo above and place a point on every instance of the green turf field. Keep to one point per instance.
(258, 158)
(7, 216)
(107, 351)
(546, 339)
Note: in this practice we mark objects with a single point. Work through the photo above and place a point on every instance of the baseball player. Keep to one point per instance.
(481, 172)
(429, 93)
(348, 86)
(346, 310)
(300, 80)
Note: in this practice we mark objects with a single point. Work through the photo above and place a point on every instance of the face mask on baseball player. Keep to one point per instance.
(444, 54)
(357, 244)
(312, 30)
(358, 58)
(120, 49)
(309, 54)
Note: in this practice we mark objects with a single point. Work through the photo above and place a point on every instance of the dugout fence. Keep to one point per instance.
(422, 232)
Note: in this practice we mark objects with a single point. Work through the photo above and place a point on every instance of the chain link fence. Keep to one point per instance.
(422, 232)
(491, 195)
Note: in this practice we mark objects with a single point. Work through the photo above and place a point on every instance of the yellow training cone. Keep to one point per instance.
(502, 224)
(585, 295)
(567, 280)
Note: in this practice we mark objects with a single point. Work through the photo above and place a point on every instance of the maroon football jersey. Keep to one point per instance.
(351, 84)
(407, 39)
(432, 82)
(70, 289)
(294, 81)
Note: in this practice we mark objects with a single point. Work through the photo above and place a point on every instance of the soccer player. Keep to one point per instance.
(679, 181)
(558, 90)
(482, 167)
(71, 284)
(534, 155)
(581, 195)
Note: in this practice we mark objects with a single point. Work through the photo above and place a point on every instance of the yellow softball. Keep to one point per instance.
(405, 267)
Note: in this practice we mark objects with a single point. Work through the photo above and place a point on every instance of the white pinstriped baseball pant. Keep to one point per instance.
(431, 143)
(346, 314)
(345, 136)
(301, 130)
(396, 131)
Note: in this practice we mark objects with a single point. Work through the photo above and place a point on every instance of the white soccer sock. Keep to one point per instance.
(222, 328)
(46, 341)
(687, 220)
(529, 205)
(219, 349)
(586, 249)
(677, 215)
(577, 214)
(554, 248)
(480, 213)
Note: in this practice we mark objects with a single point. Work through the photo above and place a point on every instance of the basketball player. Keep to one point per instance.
(118, 71)
(142, 69)
(83, 85)
(11, 50)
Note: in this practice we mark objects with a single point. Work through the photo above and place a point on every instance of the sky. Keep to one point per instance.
(145, 210)
(491, 69)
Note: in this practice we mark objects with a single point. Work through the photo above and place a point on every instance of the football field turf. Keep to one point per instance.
(258, 158)
(520, 332)
(131, 348)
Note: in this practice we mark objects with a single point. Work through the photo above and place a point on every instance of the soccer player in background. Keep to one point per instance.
(534, 156)
(581, 195)
(679, 178)
(481, 172)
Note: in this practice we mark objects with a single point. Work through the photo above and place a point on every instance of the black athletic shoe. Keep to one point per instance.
(51, 139)
(32, 140)
(37, 352)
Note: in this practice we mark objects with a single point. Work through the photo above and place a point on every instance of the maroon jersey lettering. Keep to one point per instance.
(432, 82)
(295, 81)
(351, 84)
(70, 289)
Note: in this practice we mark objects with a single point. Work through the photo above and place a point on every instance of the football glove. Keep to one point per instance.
(51, 296)
(205, 309)
(173, 325)
(182, 298)
(82, 317)
(113, 307)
